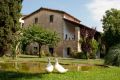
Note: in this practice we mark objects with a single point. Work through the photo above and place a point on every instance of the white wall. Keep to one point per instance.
(77, 30)
(21, 21)
(70, 35)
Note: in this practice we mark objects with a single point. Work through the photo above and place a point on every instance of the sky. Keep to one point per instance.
(89, 12)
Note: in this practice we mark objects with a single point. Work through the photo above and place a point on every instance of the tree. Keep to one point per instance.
(111, 27)
(87, 41)
(16, 44)
(35, 33)
(9, 23)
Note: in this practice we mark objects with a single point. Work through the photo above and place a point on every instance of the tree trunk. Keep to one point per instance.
(40, 50)
(16, 50)
(13, 54)
(87, 55)
(1, 52)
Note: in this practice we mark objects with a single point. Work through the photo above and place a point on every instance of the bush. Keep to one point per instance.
(94, 45)
(113, 56)
(80, 55)
(45, 53)
(92, 56)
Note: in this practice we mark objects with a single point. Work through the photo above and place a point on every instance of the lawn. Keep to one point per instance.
(100, 74)
(111, 73)
(29, 58)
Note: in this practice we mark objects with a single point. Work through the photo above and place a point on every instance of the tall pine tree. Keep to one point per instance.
(9, 23)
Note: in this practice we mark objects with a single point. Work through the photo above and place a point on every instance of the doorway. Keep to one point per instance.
(66, 52)
(51, 50)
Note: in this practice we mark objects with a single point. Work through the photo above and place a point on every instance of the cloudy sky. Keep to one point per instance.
(90, 12)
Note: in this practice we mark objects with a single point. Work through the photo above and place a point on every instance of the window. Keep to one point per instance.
(66, 37)
(36, 20)
(74, 37)
(51, 18)
(35, 48)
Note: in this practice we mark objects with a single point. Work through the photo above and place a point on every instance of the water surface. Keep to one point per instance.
(39, 67)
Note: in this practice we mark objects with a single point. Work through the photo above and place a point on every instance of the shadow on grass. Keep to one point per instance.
(28, 57)
(11, 75)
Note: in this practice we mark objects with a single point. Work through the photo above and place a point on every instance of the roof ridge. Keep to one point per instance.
(51, 10)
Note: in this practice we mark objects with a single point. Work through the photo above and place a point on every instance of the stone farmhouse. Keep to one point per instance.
(67, 26)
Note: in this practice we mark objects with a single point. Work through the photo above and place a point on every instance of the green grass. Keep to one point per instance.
(96, 74)
(29, 58)
(112, 73)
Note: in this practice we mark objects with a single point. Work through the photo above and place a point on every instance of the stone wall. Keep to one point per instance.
(58, 25)
(43, 19)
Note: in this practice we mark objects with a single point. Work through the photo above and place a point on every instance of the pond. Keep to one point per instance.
(39, 67)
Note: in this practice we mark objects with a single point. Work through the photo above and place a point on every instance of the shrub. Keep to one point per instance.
(94, 45)
(80, 55)
(92, 56)
(55, 54)
(45, 53)
(113, 56)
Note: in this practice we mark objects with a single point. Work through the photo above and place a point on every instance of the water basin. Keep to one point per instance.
(39, 67)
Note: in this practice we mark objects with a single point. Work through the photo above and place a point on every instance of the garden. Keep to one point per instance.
(15, 65)
(27, 67)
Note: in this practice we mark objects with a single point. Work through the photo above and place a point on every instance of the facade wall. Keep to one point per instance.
(71, 41)
(32, 48)
(69, 31)
(66, 16)
(21, 22)
(44, 21)
(59, 25)
(77, 33)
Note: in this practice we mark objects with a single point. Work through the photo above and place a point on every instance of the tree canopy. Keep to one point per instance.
(111, 27)
(88, 44)
(35, 33)
(9, 23)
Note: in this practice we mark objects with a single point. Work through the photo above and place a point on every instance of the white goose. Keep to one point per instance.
(49, 67)
(59, 67)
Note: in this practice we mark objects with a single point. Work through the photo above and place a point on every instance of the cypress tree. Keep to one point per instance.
(9, 23)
